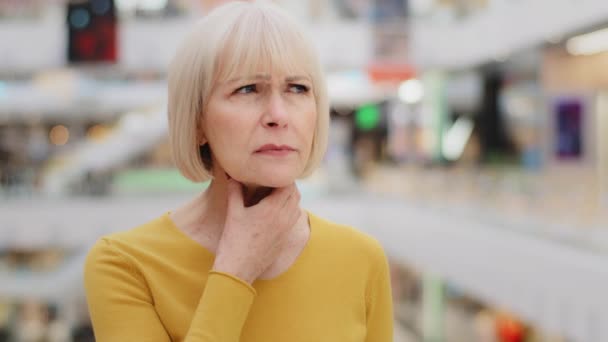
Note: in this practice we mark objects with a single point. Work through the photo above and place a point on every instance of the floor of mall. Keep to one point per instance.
(469, 137)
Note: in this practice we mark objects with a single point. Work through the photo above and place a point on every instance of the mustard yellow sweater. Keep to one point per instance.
(153, 283)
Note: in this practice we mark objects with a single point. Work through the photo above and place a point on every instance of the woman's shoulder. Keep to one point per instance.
(147, 230)
(137, 240)
(118, 261)
(347, 238)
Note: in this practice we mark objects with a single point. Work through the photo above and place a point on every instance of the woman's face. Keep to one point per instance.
(260, 127)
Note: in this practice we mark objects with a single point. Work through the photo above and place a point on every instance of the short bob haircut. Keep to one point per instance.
(237, 38)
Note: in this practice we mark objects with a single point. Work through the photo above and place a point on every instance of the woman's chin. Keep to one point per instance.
(271, 176)
(270, 181)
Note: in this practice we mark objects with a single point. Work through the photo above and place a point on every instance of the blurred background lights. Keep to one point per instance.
(411, 91)
(367, 117)
(59, 135)
(146, 5)
(588, 44)
(126, 5)
(98, 132)
(456, 138)
(152, 5)
(80, 18)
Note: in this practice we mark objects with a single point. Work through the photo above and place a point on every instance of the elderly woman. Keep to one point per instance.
(248, 110)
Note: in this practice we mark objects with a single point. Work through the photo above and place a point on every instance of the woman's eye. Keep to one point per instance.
(298, 88)
(251, 88)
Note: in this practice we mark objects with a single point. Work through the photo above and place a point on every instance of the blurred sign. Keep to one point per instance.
(92, 31)
(392, 72)
(569, 142)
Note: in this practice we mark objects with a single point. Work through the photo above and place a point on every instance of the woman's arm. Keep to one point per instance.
(222, 311)
(122, 308)
(119, 301)
(380, 303)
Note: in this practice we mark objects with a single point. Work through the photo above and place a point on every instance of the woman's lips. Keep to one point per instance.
(275, 150)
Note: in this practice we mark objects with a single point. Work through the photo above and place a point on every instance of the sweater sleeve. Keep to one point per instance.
(380, 302)
(222, 311)
(122, 308)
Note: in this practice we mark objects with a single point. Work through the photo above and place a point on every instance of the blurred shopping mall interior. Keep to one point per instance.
(470, 137)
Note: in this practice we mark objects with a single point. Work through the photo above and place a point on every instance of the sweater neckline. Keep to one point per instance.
(294, 266)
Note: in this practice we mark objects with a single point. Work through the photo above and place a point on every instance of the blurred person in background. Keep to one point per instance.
(248, 110)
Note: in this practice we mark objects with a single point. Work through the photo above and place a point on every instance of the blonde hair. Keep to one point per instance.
(237, 37)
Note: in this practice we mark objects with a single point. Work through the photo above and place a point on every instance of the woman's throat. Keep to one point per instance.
(252, 195)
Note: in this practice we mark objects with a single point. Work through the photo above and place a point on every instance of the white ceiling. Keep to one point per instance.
(504, 28)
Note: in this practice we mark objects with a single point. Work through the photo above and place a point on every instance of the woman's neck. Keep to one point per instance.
(252, 195)
(207, 212)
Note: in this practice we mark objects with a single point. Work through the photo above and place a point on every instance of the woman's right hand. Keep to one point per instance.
(253, 237)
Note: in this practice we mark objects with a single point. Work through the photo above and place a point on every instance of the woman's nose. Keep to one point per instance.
(276, 112)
